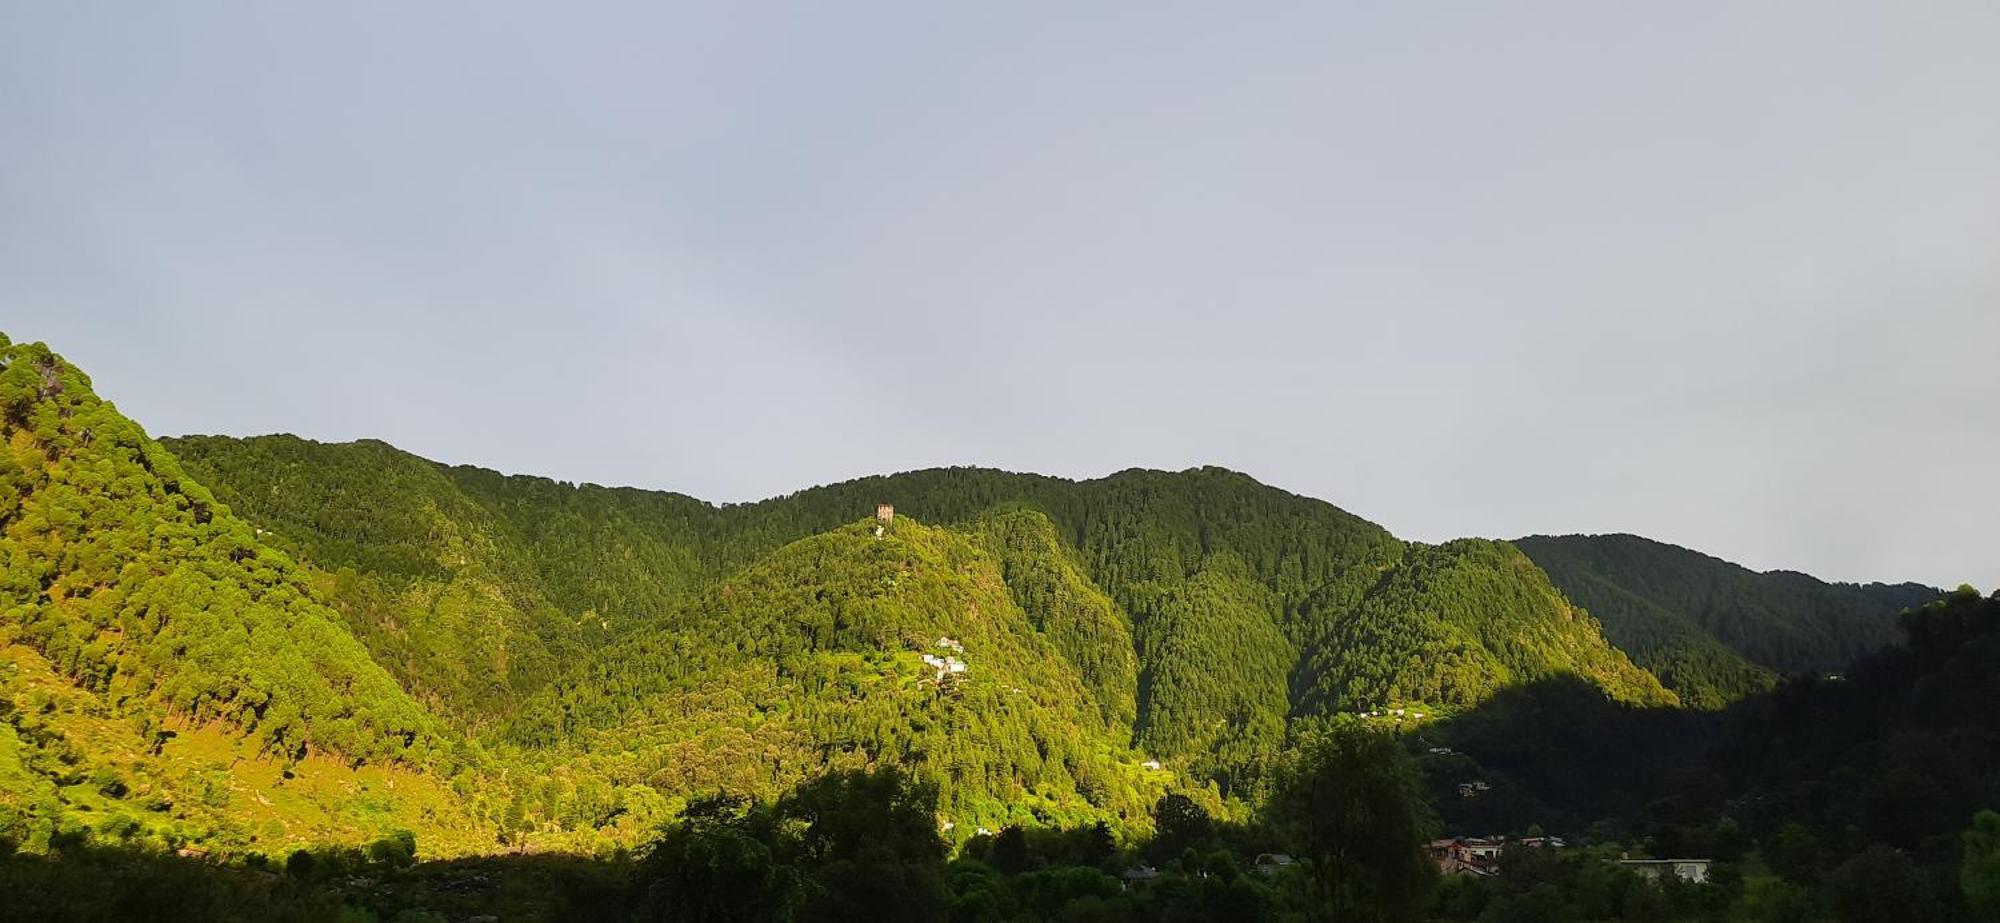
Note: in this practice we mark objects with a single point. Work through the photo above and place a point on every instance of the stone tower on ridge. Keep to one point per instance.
(884, 513)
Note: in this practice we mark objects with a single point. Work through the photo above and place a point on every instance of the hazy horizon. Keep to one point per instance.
(1722, 277)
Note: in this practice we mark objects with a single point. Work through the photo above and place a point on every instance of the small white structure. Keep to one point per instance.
(1695, 870)
(1140, 873)
(945, 666)
(951, 644)
(1150, 764)
(1271, 862)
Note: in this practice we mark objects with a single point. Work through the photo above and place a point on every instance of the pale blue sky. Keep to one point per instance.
(1723, 274)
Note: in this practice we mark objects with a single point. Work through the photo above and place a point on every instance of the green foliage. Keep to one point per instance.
(1879, 883)
(1713, 631)
(1179, 824)
(717, 863)
(1979, 872)
(842, 847)
(397, 849)
(1200, 611)
(605, 656)
(1048, 583)
(1853, 790)
(1348, 802)
(444, 590)
(1901, 748)
(1213, 690)
(814, 656)
(136, 583)
(1454, 623)
(1539, 885)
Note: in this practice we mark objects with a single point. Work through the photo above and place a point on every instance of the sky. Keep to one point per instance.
(1722, 274)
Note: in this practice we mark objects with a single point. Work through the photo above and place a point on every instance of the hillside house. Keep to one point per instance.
(1138, 874)
(1271, 863)
(946, 667)
(1480, 855)
(1466, 855)
(1694, 870)
(884, 513)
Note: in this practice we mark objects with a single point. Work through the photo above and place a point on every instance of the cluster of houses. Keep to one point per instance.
(1270, 863)
(1473, 789)
(947, 665)
(1480, 856)
(1695, 870)
(1393, 713)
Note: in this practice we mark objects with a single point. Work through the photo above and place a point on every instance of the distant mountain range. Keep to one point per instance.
(1715, 631)
(256, 643)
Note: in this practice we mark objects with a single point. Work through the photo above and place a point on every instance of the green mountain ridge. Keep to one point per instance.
(134, 581)
(1153, 541)
(294, 642)
(1713, 630)
(849, 648)
(165, 676)
(1198, 607)
(1479, 616)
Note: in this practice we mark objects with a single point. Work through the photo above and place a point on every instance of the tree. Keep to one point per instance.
(1179, 823)
(868, 846)
(1099, 844)
(1010, 850)
(398, 849)
(1979, 872)
(1348, 803)
(1881, 883)
(1782, 902)
(1795, 854)
(715, 864)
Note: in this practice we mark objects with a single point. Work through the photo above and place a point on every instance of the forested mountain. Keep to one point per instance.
(1712, 630)
(1454, 622)
(849, 648)
(131, 579)
(1311, 608)
(250, 645)
(443, 590)
(1868, 795)
(164, 674)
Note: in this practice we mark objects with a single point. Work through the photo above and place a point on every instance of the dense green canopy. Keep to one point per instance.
(1714, 631)
(255, 644)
